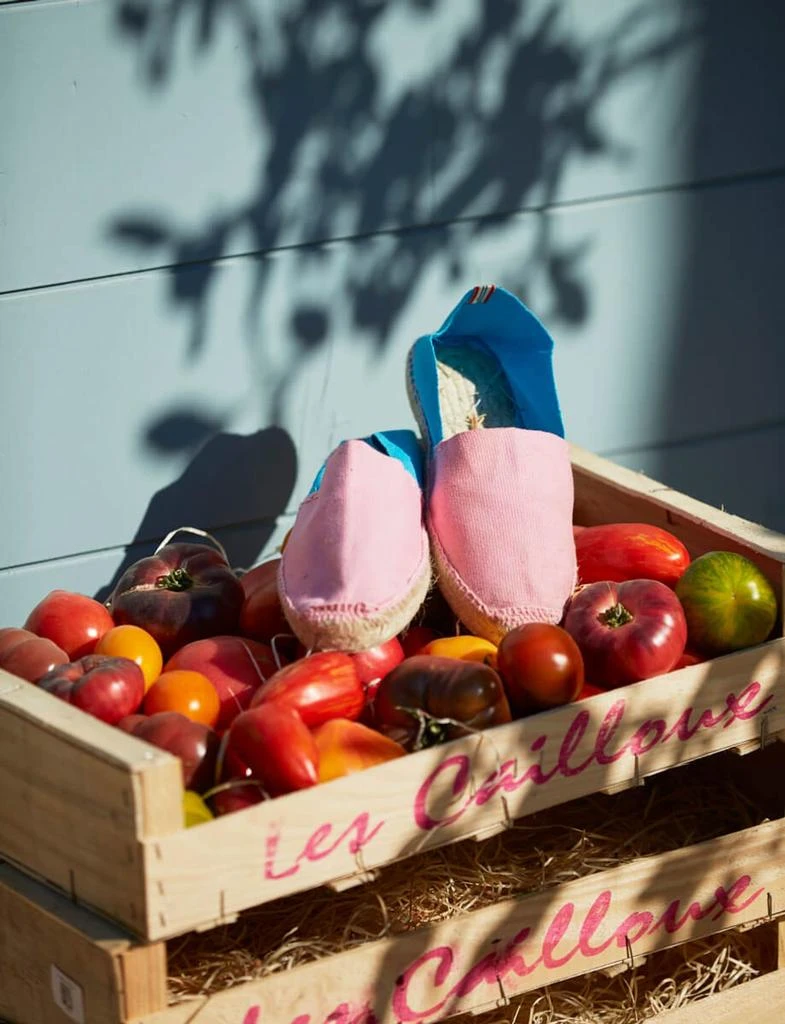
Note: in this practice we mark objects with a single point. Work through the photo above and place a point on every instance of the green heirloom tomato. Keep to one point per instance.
(728, 602)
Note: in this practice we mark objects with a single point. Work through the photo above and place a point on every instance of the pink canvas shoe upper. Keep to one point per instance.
(500, 515)
(358, 546)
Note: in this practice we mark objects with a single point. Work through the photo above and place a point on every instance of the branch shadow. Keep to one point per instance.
(226, 474)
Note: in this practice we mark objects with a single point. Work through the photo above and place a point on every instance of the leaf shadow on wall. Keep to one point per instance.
(357, 150)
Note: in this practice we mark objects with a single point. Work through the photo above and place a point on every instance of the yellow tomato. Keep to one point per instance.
(464, 648)
(137, 644)
(195, 810)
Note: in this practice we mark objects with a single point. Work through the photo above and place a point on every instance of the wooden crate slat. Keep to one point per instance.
(77, 795)
(606, 493)
(382, 815)
(479, 960)
(756, 1002)
(56, 957)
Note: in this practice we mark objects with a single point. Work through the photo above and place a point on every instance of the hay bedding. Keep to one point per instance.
(586, 836)
(668, 980)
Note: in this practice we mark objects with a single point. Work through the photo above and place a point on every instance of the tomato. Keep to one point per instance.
(541, 667)
(346, 747)
(236, 667)
(377, 661)
(428, 700)
(136, 644)
(182, 593)
(688, 659)
(195, 744)
(320, 687)
(190, 693)
(629, 551)
(626, 631)
(589, 691)
(463, 647)
(277, 746)
(728, 602)
(261, 616)
(28, 656)
(236, 796)
(72, 621)
(415, 638)
(195, 810)
(107, 688)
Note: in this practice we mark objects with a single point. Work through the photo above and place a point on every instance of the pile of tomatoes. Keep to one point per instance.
(198, 659)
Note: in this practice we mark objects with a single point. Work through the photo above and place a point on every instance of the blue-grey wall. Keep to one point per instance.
(222, 223)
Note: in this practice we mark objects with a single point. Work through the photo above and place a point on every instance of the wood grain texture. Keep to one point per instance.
(98, 969)
(78, 797)
(479, 960)
(354, 824)
(761, 1000)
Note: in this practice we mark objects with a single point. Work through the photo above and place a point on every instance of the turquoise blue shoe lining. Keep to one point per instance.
(520, 343)
(403, 445)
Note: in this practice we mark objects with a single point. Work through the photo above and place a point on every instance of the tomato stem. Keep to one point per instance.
(615, 616)
(177, 579)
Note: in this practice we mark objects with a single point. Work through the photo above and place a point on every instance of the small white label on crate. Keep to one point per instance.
(67, 995)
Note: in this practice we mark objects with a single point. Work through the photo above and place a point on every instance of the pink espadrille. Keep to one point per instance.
(356, 567)
(500, 488)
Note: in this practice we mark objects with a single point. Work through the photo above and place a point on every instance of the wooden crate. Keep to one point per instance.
(98, 813)
(59, 961)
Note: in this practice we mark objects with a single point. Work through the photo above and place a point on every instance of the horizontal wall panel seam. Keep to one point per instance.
(700, 185)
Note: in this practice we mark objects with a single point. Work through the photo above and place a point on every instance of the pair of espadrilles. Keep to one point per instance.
(483, 499)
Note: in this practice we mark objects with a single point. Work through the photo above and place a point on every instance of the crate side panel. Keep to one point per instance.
(74, 808)
(465, 788)
(478, 960)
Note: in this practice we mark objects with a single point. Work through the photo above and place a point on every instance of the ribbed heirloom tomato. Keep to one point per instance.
(190, 693)
(137, 645)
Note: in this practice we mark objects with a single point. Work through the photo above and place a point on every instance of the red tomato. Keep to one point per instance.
(627, 631)
(589, 691)
(107, 688)
(320, 687)
(194, 743)
(136, 644)
(235, 666)
(415, 638)
(541, 666)
(278, 747)
(629, 551)
(373, 664)
(72, 621)
(688, 659)
(190, 693)
(236, 797)
(28, 656)
(261, 616)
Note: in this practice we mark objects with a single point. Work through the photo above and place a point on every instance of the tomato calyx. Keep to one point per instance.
(431, 731)
(177, 580)
(615, 616)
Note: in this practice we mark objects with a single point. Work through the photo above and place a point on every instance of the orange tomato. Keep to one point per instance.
(346, 747)
(464, 648)
(190, 693)
(135, 643)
